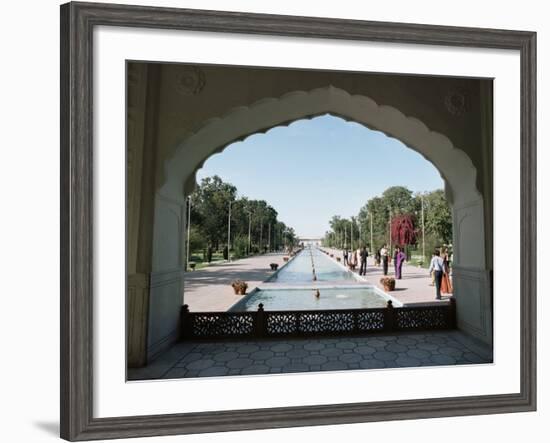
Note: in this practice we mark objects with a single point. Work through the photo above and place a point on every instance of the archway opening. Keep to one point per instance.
(324, 183)
(170, 245)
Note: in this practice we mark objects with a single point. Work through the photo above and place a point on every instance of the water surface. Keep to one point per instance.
(300, 269)
(305, 299)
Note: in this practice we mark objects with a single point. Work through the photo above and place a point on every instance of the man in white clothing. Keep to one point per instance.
(436, 265)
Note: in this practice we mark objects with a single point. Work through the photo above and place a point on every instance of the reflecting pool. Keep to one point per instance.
(300, 269)
(306, 299)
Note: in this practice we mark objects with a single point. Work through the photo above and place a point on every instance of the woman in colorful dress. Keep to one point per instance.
(399, 260)
(446, 286)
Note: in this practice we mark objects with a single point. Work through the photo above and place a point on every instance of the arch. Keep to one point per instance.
(216, 134)
(470, 277)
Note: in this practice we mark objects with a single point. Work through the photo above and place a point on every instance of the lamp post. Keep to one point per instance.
(261, 235)
(188, 231)
(351, 233)
(345, 238)
(423, 232)
(389, 226)
(229, 233)
(371, 242)
(249, 230)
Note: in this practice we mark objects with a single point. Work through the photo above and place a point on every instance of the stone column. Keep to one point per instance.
(471, 278)
(143, 104)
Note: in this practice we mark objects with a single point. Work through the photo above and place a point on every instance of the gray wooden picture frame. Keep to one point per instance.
(77, 23)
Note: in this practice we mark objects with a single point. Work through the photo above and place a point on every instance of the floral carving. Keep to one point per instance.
(190, 80)
(456, 102)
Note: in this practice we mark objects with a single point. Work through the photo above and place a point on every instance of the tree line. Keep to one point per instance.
(395, 217)
(218, 214)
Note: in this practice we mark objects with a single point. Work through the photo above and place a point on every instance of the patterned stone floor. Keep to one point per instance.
(222, 358)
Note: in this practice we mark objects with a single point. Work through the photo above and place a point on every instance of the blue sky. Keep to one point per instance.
(306, 170)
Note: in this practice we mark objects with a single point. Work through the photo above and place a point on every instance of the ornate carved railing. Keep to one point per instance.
(260, 323)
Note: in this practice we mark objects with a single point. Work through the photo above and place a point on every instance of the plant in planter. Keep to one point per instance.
(239, 286)
(388, 283)
(332, 255)
(274, 266)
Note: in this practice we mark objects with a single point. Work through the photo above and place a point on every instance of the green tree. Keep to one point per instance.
(438, 216)
(394, 203)
(240, 246)
(377, 209)
(254, 223)
(197, 242)
(211, 209)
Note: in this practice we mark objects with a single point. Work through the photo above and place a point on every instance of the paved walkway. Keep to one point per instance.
(272, 356)
(412, 290)
(209, 289)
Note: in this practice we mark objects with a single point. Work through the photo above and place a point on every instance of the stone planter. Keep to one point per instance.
(388, 283)
(239, 287)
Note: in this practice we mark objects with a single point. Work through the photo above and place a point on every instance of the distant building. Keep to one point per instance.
(314, 241)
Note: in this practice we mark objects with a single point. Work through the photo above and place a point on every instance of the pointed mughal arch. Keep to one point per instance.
(216, 134)
(470, 277)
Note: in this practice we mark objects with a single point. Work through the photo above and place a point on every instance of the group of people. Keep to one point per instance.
(351, 257)
(440, 272)
(439, 265)
(382, 256)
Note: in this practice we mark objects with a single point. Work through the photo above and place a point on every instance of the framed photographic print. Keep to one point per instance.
(273, 221)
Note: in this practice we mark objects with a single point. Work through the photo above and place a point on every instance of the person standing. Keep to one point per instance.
(363, 256)
(377, 258)
(384, 254)
(436, 266)
(446, 286)
(345, 257)
(353, 259)
(399, 260)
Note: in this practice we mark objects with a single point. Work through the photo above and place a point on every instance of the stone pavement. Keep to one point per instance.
(272, 356)
(209, 289)
(412, 290)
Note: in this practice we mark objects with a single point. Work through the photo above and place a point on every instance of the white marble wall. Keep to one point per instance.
(471, 279)
(166, 290)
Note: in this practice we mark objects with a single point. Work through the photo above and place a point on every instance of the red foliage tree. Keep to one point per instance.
(403, 230)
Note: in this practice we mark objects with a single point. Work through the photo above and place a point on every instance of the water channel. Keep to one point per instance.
(312, 281)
